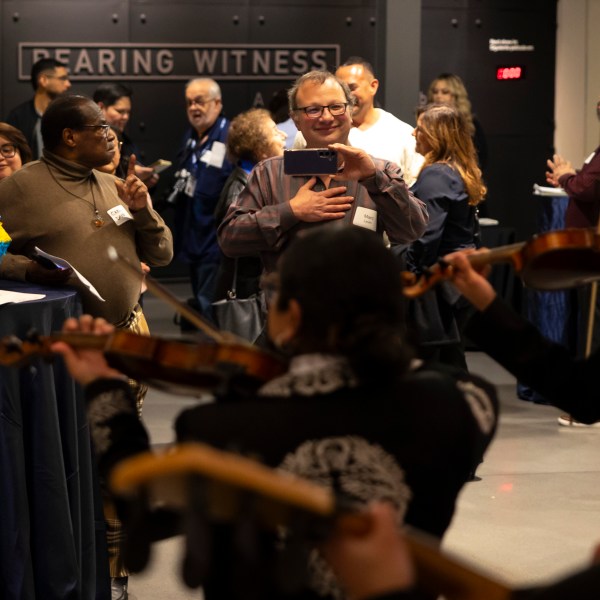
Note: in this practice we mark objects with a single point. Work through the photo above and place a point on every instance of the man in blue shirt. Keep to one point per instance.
(202, 171)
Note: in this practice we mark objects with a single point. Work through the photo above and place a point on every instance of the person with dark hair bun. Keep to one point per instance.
(14, 150)
(353, 411)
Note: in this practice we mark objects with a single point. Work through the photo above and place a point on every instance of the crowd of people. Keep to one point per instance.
(365, 369)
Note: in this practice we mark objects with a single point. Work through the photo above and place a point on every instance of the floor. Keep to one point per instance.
(534, 515)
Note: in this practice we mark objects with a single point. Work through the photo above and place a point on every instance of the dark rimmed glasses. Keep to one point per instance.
(315, 112)
(105, 128)
(8, 150)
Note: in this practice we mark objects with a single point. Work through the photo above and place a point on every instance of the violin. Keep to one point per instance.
(174, 365)
(555, 260)
(200, 482)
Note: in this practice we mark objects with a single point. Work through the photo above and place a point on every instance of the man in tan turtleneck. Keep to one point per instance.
(50, 79)
(67, 208)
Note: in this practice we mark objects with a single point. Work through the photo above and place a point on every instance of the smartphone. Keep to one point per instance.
(160, 165)
(310, 161)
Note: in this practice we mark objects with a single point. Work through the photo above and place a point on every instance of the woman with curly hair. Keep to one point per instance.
(252, 137)
(451, 185)
(448, 88)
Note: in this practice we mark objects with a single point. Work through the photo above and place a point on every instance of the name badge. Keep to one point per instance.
(190, 186)
(119, 214)
(365, 217)
(215, 156)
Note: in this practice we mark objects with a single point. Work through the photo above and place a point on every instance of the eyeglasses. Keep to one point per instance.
(105, 128)
(199, 101)
(315, 112)
(8, 150)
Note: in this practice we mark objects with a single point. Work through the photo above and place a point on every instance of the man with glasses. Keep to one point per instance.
(202, 171)
(67, 208)
(375, 130)
(366, 192)
(50, 79)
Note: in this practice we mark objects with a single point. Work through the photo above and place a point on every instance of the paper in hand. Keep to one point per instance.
(61, 263)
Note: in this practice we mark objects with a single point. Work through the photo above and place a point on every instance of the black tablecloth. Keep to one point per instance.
(502, 276)
(50, 516)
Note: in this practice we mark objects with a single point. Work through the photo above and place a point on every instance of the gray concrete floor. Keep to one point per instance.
(534, 515)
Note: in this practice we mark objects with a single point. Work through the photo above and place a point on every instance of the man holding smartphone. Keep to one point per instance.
(367, 192)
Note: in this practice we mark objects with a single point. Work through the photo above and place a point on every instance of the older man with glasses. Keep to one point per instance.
(50, 79)
(68, 208)
(63, 205)
(202, 169)
(366, 192)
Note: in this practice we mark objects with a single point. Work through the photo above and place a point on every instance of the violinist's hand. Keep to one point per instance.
(374, 562)
(85, 364)
(132, 191)
(326, 205)
(357, 164)
(469, 282)
(558, 167)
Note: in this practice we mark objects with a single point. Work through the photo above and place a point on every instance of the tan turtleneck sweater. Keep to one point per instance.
(49, 204)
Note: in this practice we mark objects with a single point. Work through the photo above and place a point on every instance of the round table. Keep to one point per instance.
(51, 525)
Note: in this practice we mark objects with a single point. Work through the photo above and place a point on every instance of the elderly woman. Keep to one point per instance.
(451, 185)
(253, 136)
(352, 411)
(14, 150)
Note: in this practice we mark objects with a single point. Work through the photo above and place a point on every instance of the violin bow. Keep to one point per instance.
(164, 480)
(185, 310)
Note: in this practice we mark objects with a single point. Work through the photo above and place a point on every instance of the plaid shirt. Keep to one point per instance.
(261, 220)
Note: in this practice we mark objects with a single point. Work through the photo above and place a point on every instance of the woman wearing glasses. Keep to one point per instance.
(14, 150)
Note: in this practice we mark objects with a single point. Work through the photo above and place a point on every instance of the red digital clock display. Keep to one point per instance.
(509, 73)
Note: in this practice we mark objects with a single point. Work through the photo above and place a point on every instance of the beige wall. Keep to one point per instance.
(577, 79)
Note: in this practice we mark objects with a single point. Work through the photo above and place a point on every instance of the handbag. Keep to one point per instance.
(246, 317)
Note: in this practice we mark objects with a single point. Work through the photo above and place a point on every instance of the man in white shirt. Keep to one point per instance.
(375, 130)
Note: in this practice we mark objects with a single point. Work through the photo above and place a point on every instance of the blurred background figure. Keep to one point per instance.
(451, 185)
(449, 89)
(50, 79)
(14, 150)
(253, 136)
(115, 101)
(582, 186)
(375, 130)
(280, 111)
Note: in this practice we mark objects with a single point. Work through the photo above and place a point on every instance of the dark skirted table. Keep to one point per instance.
(52, 538)
(548, 311)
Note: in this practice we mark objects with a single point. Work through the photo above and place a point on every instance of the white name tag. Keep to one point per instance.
(119, 214)
(365, 217)
(589, 158)
(215, 156)
(190, 186)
